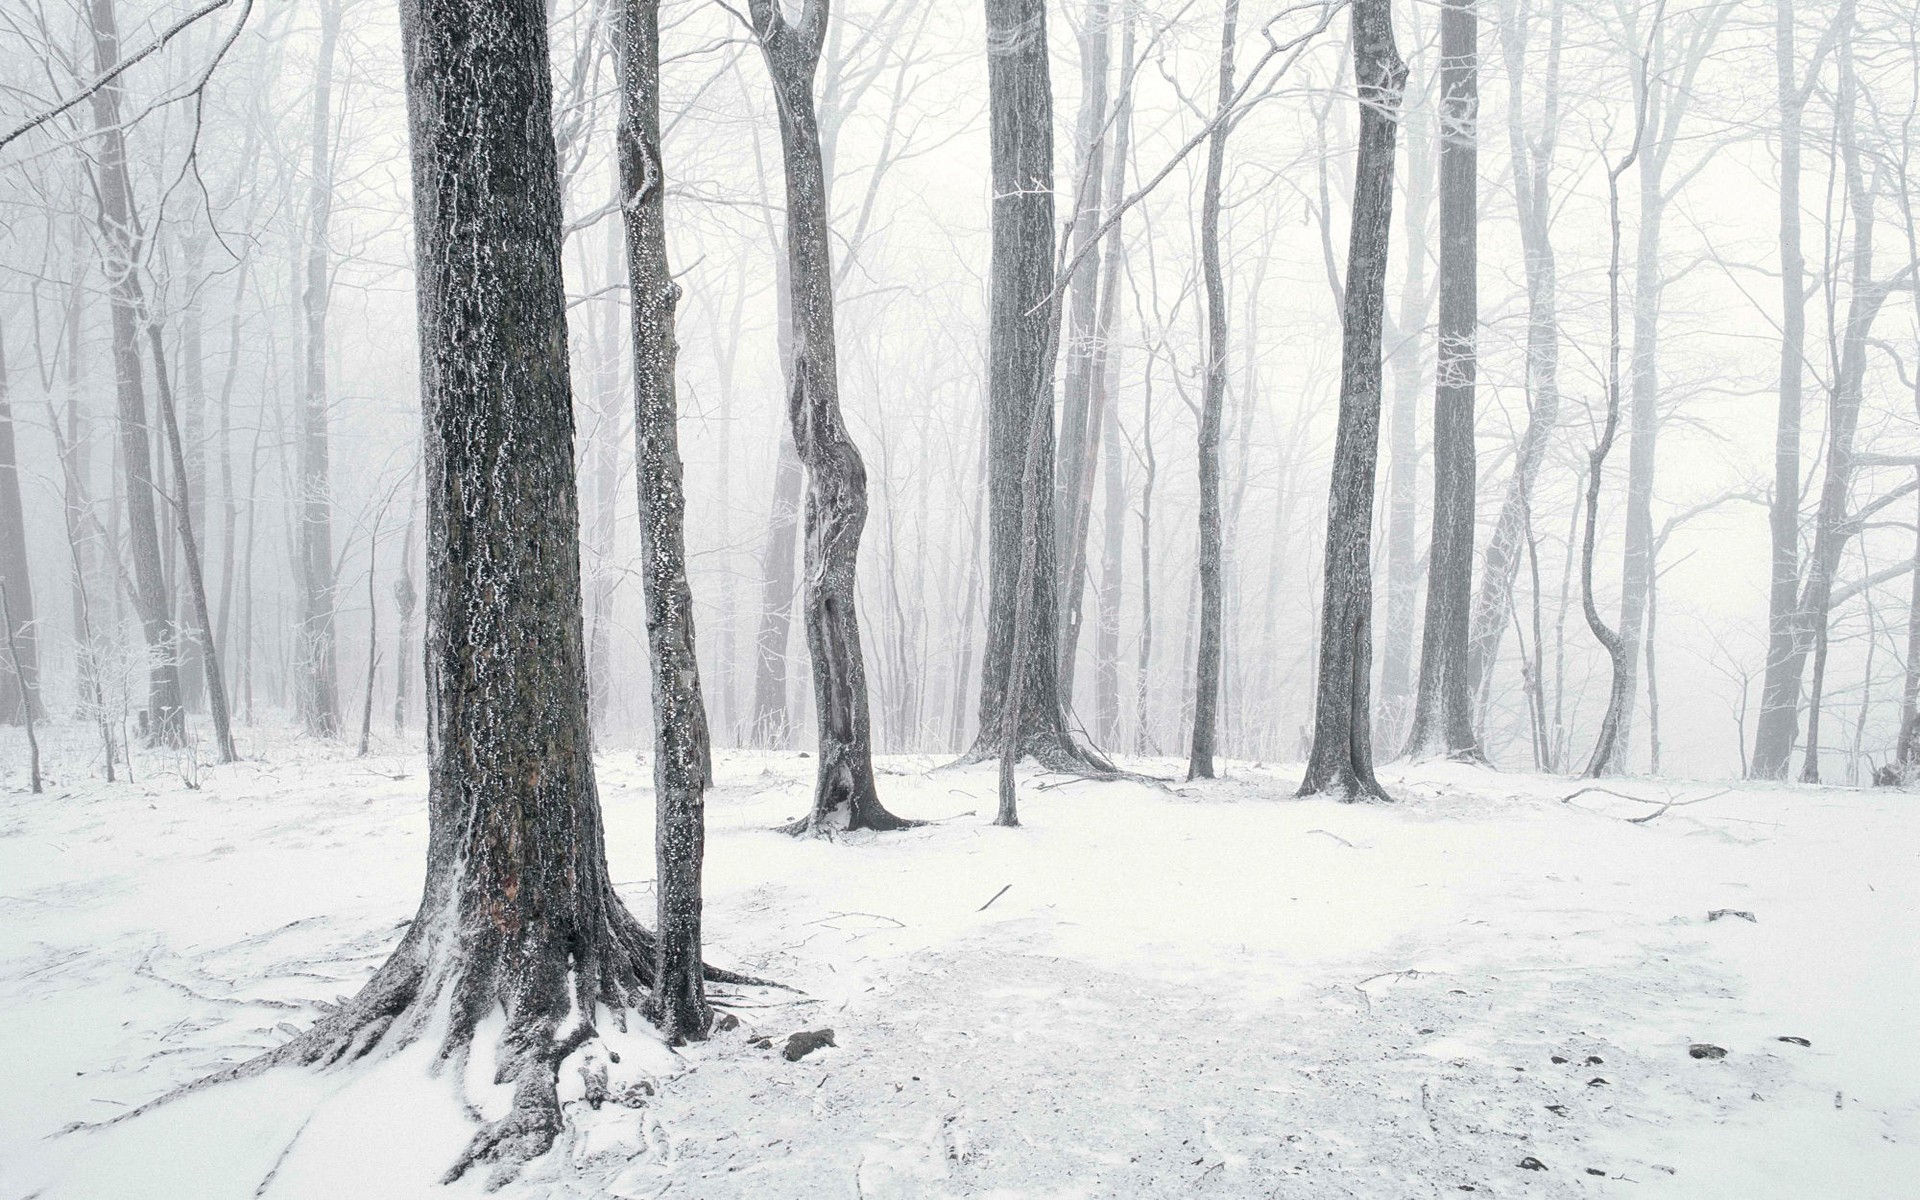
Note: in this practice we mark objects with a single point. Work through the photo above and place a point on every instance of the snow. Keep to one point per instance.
(1208, 989)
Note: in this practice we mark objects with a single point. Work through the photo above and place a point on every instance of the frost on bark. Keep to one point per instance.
(518, 918)
(1079, 444)
(19, 683)
(119, 235)
(1443, 702)
(1532, 154)
(845, 796)
(318, 692)
(1020, 343)
(680, 766)
(1341, 760)
(1213, 402)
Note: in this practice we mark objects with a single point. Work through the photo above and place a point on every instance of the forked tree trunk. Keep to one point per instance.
(845, 796)
(1341, 759)
(165, 715)
(681, 770)
(518, 919)
(1213, 402)
(1443, 702)
(319, 690)
(1020, 344)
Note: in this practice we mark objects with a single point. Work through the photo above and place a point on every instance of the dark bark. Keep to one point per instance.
(165, 715)
(845, 796)
(319, 690)
(1533, 156)
(1341, 759)
(1213, 401)
(1022, 332)
(20, 688)
(681, 771)
(518, 916)
(1443, 702)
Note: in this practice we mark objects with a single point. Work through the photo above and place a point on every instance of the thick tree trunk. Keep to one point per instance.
(1532, 185)
(165, 715)
(1779, 723)
(681, 770)
(1213, 401)
(518, 919)
(1443, 703)
(319, 690)
(20, 701)
(1020, 342)
(845, 796)
(1341, 759)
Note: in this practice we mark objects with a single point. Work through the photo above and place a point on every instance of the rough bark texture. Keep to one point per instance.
(1443, 703)
(318, 694)
(1532, 182)
(845, 796)
(1020, 342)
(1341, 759)
(1213, 403)
(20, 684)
(165, 716)
(680, 767)
(518, 916)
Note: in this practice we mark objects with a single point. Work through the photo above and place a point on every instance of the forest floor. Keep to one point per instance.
(1206, 989)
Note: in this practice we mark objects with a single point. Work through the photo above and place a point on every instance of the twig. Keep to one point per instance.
(996, 896)
(1336, 837)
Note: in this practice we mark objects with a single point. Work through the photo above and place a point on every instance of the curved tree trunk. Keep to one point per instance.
(1341, 759)
(845, 796)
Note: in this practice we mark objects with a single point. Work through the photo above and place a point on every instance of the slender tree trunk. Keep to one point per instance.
(189, 543)
(1779, 722)
(681, 769)
(165, 715)
(1533, 157)
(1341, 759)
(1213, 400)
(1078, 421)
(604, 453)
(373, 642)
(23, 683)
(319, 693)
(404, 599)
(1143, 742)
(519, 919)
(1907, 752)
(772, 721)
(845, 796)
(20, 701)
(1443, 704)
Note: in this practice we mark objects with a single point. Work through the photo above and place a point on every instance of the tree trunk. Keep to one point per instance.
(1443, 703)
(1779, 723)
(1020, 341)
(20, 701)
(681, 770)
(845, 796)
(319, 691)
(1341, 759)
(165, 716)
(1532, 185)
(405, 597)
(1078, 429)
(1213, 400)
(518, 918)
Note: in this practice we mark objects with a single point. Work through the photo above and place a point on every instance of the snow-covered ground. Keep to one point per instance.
(1207, 990)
